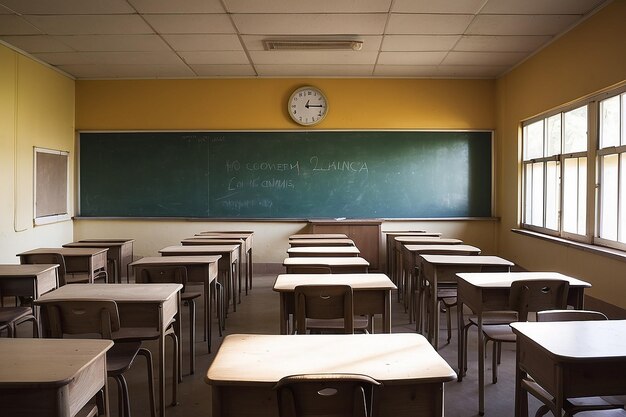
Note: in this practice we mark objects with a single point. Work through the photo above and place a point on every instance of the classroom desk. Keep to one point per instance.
(120, 252)
(324, 251)
(30, 280)
(337, 264)
(89, 260)
(372, 294)
(248, 366)
(139, 305)
(51, 377)
(318, 236)
(227, 263)
(570, 359)
(294, 243)
(410, 257)
(483, 292)
(199, 269)
(247, 236)
(390, 245)
(436, 269)
(399, 241)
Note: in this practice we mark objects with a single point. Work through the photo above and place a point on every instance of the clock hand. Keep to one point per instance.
(307, 105)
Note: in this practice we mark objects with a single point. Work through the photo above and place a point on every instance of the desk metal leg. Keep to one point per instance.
(250, 266)
(387, 313)
(283, 314)
(162, 365)
(460, 340)
(481, 367)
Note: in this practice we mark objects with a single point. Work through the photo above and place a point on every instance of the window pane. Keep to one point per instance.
(552, 195)
(570, 195)
(533, 140)
(575, 130)
(537, 203)
(582, 196)
(553, 137)
(622, 199)
(528, 193)
(623, 119)
(608, 196)
(609, 122)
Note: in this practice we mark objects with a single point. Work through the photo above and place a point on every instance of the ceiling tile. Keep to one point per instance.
(520, 24)
(15, 25)
(540, 6)
(312, 57)
(484, 58)
(307, 6)
(310, 24)
(405, 70)
(462, 71)
(314, 70)
(501, 43)
(419, 42)
(438, 6)
(215, 57)
(68, 6)
(190, 23)
(428, 24)
(178, 6)
(128, 71)
(4, 10)
(104, 58)
(411, 58)
(37, 43)
(113, 43)
(223, 70)
(90, 24)
(255, 42)
(198, 42)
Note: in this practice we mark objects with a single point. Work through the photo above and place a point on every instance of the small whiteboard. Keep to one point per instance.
(51, 200)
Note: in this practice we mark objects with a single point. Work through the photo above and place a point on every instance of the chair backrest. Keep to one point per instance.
(328, 395)
(159, 274)
(47, 258)
(536, 295)
(570, 315)
(77, 317)
(324, 302)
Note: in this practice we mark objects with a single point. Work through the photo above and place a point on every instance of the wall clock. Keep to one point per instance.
(307, 106)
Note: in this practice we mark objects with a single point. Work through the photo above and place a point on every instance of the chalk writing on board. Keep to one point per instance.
(349, 166)
(235, 166)
(239, 205)
(236, 183)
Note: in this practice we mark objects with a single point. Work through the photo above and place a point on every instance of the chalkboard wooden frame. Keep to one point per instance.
(211, 152)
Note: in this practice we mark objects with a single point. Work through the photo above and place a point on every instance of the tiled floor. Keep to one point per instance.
(258, 313)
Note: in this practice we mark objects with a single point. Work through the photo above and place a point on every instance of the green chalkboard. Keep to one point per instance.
(319, 174)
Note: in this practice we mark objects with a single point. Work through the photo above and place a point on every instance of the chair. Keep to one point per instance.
(178, 275)
(326, 308)
(82, 317)
(571, 406)
(54, 258)
(11, 317)
(525, 296)
(329, 395)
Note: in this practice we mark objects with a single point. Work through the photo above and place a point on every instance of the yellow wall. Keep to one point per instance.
(588, 59)
(36, 109)
(257, 104)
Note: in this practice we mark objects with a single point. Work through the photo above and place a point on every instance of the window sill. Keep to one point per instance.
(597, 250)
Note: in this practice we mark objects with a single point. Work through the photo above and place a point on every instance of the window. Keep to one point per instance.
(574, 170)
(51, 186)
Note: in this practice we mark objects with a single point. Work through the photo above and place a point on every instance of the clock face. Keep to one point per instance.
(307, 106)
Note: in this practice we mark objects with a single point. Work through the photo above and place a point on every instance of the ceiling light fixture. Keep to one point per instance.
(312, 45)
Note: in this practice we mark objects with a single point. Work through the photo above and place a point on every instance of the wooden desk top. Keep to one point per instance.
(66, 251)
(177, 260)
(440, 249)
(423, 233)
(318, 236)
(108, 240)
(226, 235)
(135, 293)
(425, 240)
(465, 260)
(327, 261)
(29, 270)
(53, 362)
(93, 244)
(287, 282)
(264, 359)
(504, 279)
(216, 249)
(575, 341)
(199, 240)
(325, 249)
(322, 242)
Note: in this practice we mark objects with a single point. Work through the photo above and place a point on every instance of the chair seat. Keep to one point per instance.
(491, 318)
(500, 333)
(11, 314)
(186, 296)
(620, 412)
(360, 323)
(121, 356)
(446, 292)
(136, 334)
